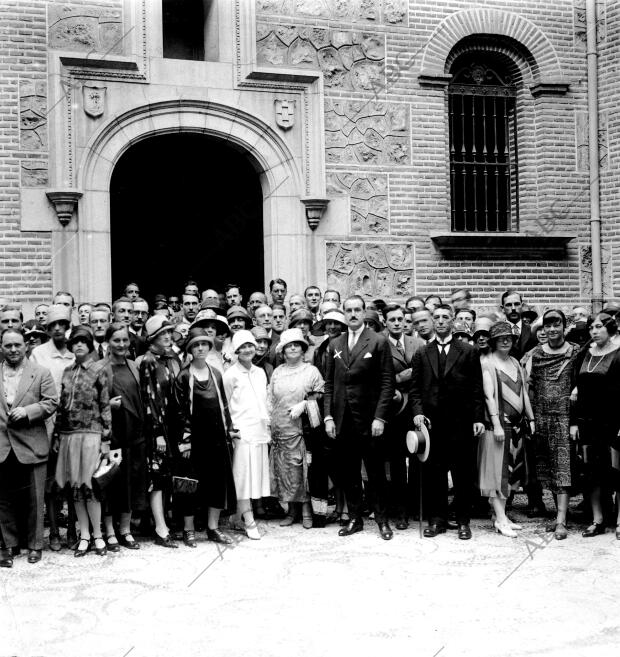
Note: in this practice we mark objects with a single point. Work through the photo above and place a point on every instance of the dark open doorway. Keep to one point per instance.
(185, 206)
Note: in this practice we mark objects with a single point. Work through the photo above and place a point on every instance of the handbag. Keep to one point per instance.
(107, 470)
(184, 485)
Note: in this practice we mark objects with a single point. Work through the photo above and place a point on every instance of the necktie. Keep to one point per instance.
(352, 341)
(443, 357)
(400, 347)
(100, 351)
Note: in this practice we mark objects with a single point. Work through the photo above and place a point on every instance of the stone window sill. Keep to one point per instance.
(533, 246)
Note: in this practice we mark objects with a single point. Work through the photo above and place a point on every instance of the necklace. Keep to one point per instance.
(588, 370)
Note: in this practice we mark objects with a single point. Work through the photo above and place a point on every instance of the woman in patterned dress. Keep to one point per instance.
(598, 417)
(158, 368)
(552, 379)
(501, 462)
(293, 390)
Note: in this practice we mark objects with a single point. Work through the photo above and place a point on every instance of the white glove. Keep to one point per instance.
(298, 409)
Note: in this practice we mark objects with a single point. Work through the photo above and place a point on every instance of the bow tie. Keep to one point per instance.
(444, 344)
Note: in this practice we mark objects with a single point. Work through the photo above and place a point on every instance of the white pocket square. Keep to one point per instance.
(367, 355)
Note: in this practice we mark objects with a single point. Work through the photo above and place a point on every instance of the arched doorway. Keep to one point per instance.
(185, 206)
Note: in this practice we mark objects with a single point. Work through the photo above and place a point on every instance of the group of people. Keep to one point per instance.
(197, 408)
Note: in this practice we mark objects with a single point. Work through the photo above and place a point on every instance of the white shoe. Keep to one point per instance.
(505, 529)
(251, 531)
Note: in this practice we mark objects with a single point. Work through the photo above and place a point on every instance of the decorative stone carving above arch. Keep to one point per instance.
(544, 62)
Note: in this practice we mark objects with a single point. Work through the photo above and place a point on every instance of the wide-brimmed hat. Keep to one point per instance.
(461, 328)
(58, 313)
(301, 315)
(195, 334)
(419, 443)
(289, 336)
(33, 330)
(235, 312)
(157, 324)
(212, 304)
(483, 325)
(210, 315)
(333, 316)
(527, 312)
(500, 329)
(242, 337)
(260, 333)
(81, 333)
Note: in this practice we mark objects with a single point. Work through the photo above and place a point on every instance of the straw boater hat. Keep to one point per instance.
(419, 443)
(260, 333)
(58, 313)
(195, 334)
(210, 315)
(239, 311)
(242, 337)
(289, 336)
(157, 324)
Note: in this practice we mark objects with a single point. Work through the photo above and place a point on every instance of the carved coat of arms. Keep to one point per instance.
(285, 113)
(94, 100)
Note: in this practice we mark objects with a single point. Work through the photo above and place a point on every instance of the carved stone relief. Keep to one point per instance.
(369, 200)
(349, 60)
(366, 132)
(581, 140)
(34, 173)
(585, 252)
(378, 269)
(85, 28)
(388, 12)
(33, 115)
(579, 23)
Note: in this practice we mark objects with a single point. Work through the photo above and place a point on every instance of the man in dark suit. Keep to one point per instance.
(446, 394)
(402, 347)
(359, 387)
(512, 305)
(27, 397)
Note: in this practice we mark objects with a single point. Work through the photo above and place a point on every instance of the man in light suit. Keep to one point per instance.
(27, 397)
(446, 394)
(359, 387)
(402, 347)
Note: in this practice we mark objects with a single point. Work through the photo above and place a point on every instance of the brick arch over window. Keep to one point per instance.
(544, 62)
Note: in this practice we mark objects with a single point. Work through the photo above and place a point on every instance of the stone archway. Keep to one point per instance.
(284, 227)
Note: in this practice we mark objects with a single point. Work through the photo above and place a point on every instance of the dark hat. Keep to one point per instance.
(462, 328)
(81, 333)
(527, 312)
(214, 305)
(33, 330)
(373, 316)
(301, 315)
(554, 313)
(501, 328)
(239, 311)
(197, 333)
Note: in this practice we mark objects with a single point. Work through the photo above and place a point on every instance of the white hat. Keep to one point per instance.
(242, 337)
(209, 315)
(58, 313)
(289, 336)
(419, 443)
(157, 324)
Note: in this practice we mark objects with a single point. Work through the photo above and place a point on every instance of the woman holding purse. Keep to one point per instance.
(501, 462)
(204, 443)
(83, 427)
(245, 385)
(127, 492)
(293, 390)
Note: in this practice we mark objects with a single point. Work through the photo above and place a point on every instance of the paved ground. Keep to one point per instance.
(299, 593)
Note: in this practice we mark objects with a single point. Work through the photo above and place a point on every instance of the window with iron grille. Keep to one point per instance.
(483, 146)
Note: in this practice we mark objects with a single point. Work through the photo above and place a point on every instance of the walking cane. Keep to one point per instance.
(419, 443)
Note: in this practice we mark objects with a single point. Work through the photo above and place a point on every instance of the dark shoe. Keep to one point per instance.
(464, 532)
(112, 543)
(55, 544)
(166, 541)
(386, 531)
(352, 527)
(34, 556)
(595, 529)
(433, 530)
(72, 540)
(218, 536)
(189, 538)
(126, 540)
(6, 560)
(100, 551)
(344, 519)
(536, 511)
(318, 522)
(80, 551)
(402, 523)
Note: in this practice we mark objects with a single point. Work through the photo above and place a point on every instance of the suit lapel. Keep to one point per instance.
(361, 344)
(397, 355)
(2, 396)
(24, 384)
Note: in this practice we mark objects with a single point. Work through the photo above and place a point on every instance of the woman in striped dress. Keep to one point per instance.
(501, 462)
